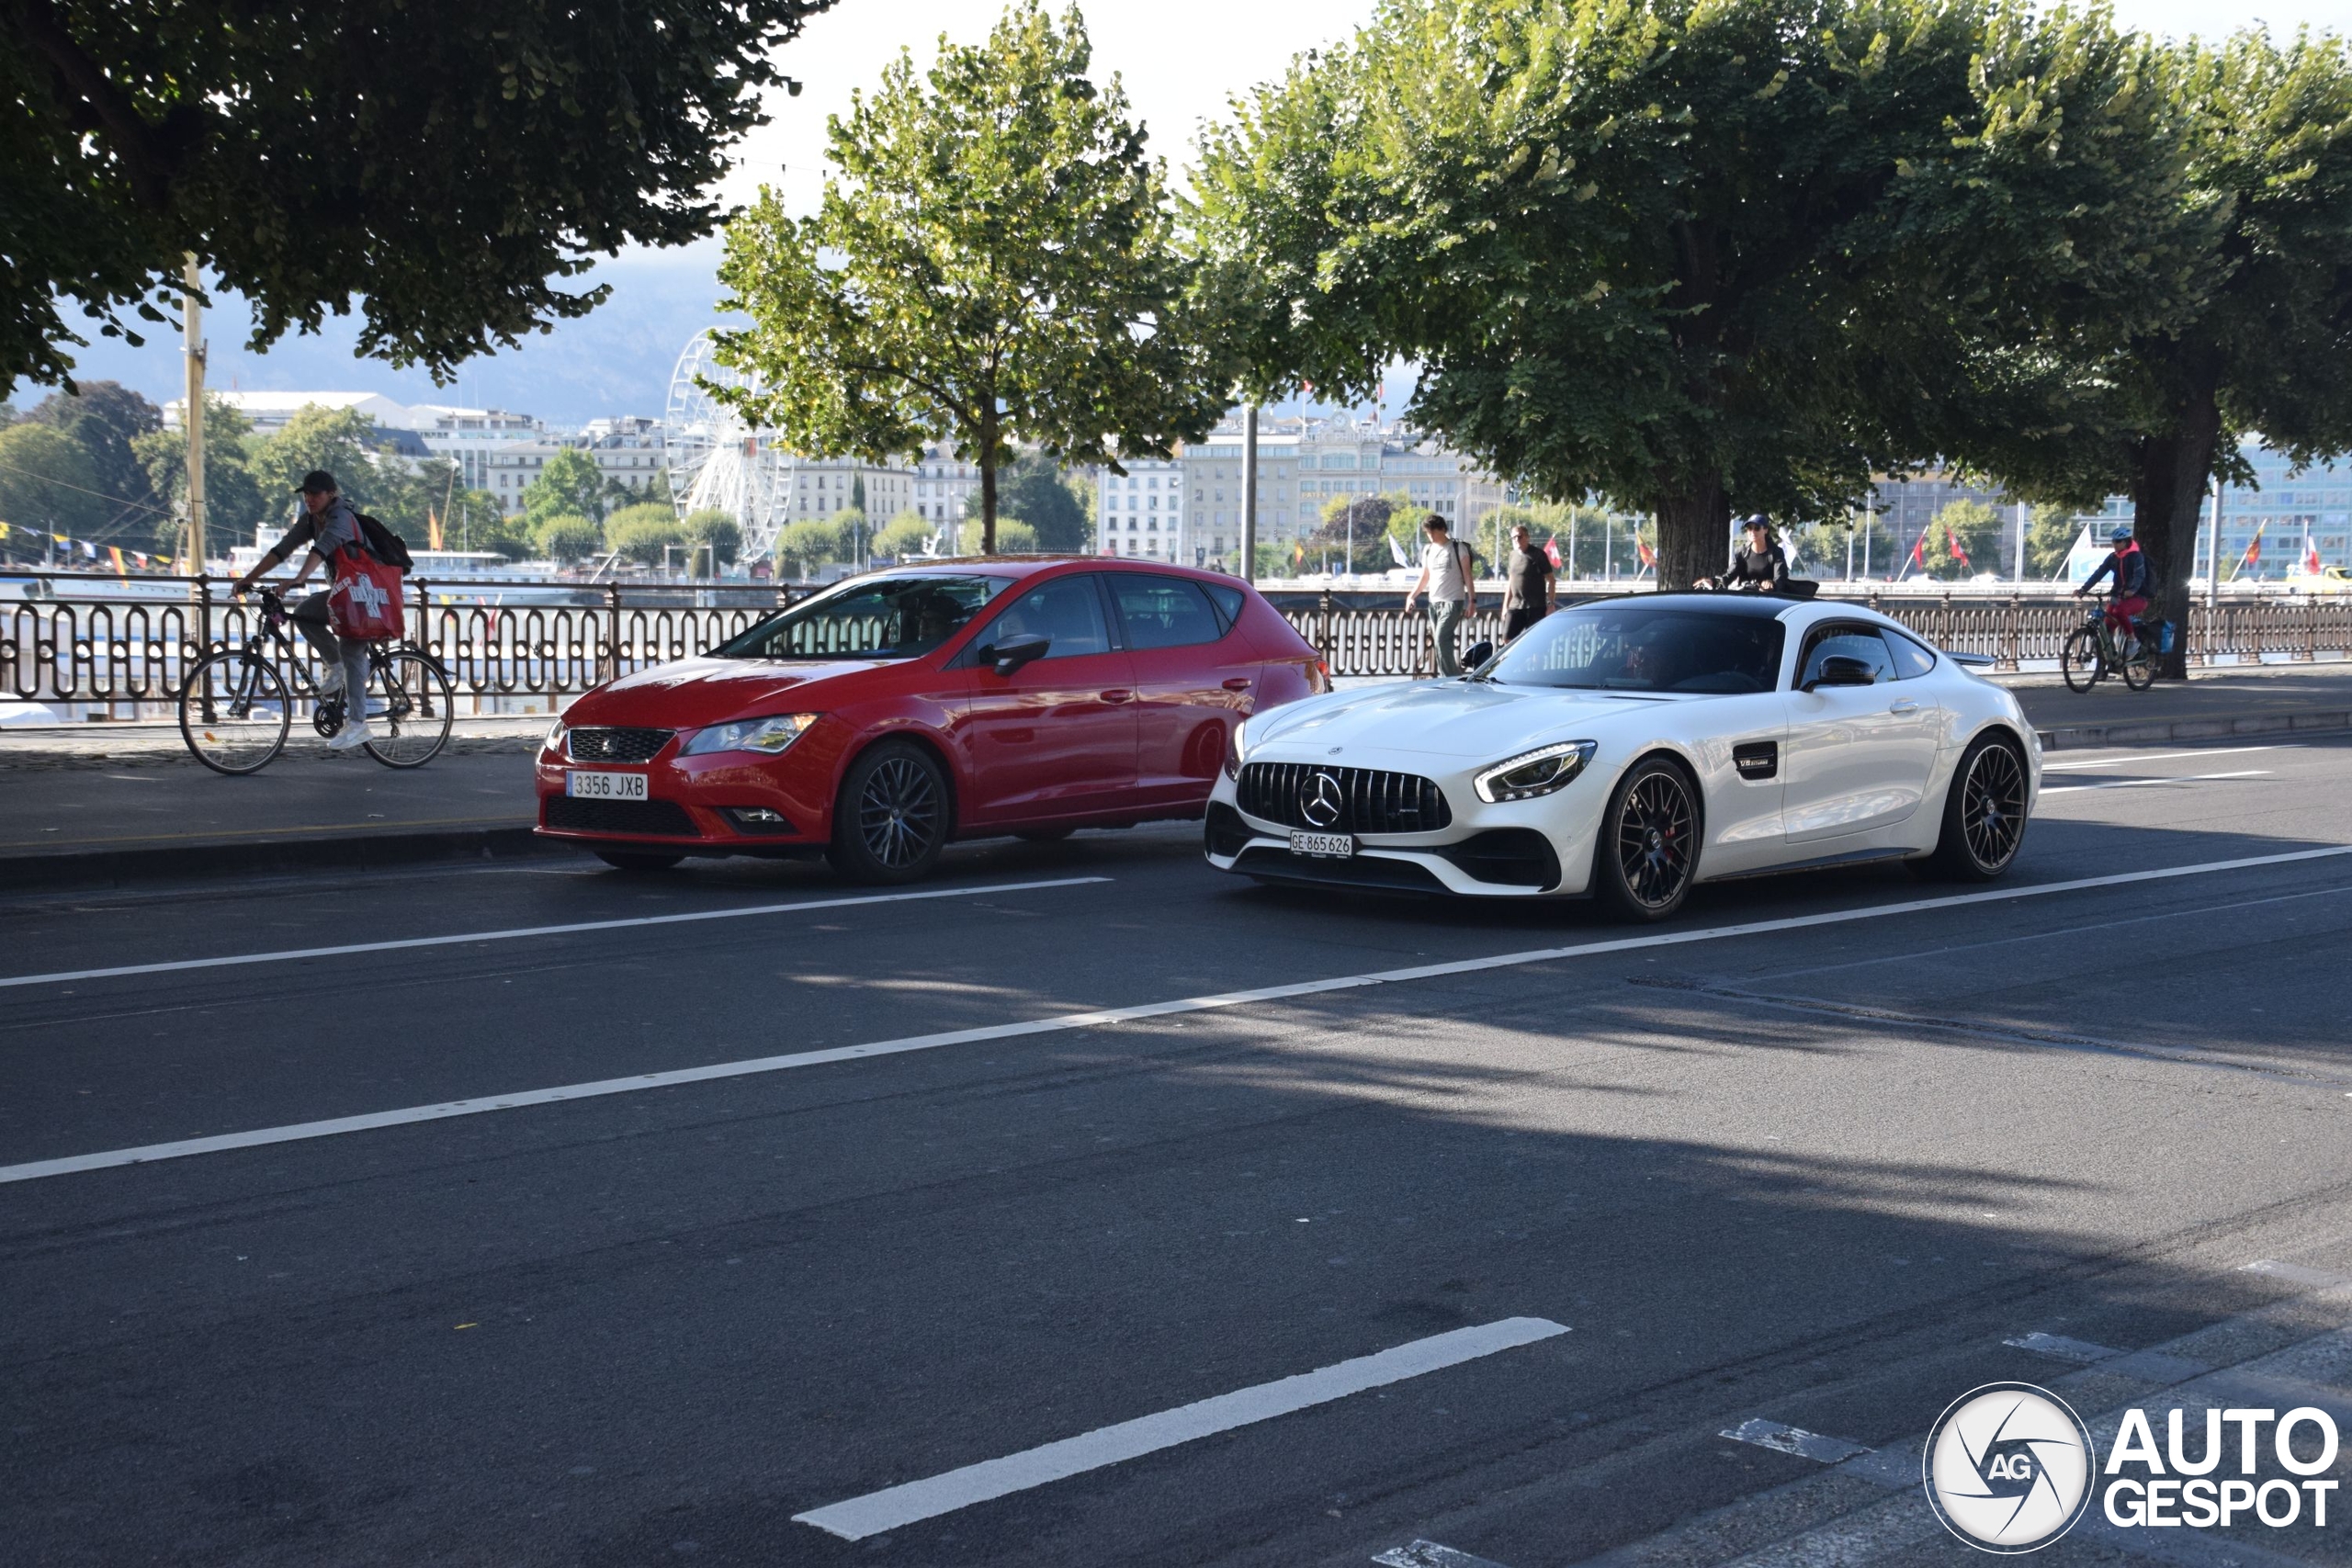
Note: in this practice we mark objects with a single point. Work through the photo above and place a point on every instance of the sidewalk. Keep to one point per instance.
(102, 805)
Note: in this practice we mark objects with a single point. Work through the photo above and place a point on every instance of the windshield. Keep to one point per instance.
(1636, 648)
(874, 617)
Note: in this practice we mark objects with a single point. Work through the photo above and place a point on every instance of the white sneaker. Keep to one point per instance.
(351, 735)
(329, 680)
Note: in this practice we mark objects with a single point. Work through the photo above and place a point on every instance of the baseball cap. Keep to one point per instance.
(318, 479)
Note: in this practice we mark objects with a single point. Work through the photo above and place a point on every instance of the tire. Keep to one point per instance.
(2140, 668)
(418, 711)
(2080, 659)
(891, 819)
(234, 713)
(1649, 842)
(638, 860)
(1044, 835)
(1984, 814)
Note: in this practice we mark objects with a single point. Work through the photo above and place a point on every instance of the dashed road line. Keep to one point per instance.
(894, 1507)
(2149, 784)
(2129, 760)
(1430, 1554)
(2081, 1351)
(1795, 1441)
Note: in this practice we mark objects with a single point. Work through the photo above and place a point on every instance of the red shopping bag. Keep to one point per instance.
(364, 603)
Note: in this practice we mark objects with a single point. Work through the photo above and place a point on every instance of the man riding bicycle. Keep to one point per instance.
(328, 525)
(2129, 567)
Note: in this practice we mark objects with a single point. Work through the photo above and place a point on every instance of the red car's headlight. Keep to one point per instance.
(766, 736)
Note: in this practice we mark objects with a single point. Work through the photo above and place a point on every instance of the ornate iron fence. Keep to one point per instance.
(70, 639)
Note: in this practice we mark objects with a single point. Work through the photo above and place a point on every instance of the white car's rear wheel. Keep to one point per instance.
(1649, 842)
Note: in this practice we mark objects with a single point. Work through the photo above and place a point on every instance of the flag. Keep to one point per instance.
(2082, 560)
(2310, 554)
(1298, 553)
(62, 542)
(1552, 552)
(116, 551)
(1397, 550)
(89, 550)
(4, 530)
(2253, 556)
(1952, 546)
(1642, 553)
(432, 530)
(142, 560)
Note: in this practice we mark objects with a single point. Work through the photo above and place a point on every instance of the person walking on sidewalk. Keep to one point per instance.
(328, 525)
(1528, 593)
(1445, 578)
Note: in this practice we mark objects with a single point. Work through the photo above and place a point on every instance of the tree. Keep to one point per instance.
(811, 542)
(905, 535)
(391, 165)
(643, 533)
(341, 441)
(994, 260)
(1962, 540)
(711, 531)
(235, 506)
(2050, 537)
(567, 539)
(1689, 251)
(1012, 537)
(105, 418)
(849, 528)
(1367, 521)
(568, 484)
(47, 482)
(1035, 489)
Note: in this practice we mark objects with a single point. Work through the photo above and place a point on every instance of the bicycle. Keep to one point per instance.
(2091, 651)
(236, 707)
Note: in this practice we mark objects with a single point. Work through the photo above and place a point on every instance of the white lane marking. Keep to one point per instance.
(2144, 783)
(1786, 1439)
(2065, 1350)
(2126, 758)
(2296, 1274)
(1430, 1554)
(36, 1169)
(512, 933)
(888, 1509)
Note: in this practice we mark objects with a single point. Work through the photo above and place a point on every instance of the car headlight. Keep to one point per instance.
(556, 733)
(1535, 772)
(1233, 745)
(768, 735)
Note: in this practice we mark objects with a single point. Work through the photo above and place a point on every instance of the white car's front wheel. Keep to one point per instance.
(1984, 812)
(1649, 842)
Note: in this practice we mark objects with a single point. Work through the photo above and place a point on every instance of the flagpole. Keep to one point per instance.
(192, 420)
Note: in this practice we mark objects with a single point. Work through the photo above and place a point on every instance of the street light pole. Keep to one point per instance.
(192, 420)
(1250, 493)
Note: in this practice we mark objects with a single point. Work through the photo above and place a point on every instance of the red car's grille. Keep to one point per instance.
(594, 745)
(656, 818)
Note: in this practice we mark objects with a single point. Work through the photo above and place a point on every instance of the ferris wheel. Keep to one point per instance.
(716, 460)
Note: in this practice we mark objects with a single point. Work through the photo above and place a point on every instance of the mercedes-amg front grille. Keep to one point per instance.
(1342, 800)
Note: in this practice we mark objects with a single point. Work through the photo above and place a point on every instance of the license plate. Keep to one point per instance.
(1329, 846)
(583, 785)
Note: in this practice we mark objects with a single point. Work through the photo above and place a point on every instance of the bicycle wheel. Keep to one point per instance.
(418, 709)
(2081, 660)
(2140, 667)
(234, 713)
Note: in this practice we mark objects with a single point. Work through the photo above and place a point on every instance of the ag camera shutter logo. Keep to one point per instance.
(2010, 1468)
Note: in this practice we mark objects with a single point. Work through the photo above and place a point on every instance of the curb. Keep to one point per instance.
(2080, 736)
(115, 868)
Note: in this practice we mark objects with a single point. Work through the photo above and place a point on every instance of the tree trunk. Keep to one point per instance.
(988, 481)
(2168, 498)
(1694, 533)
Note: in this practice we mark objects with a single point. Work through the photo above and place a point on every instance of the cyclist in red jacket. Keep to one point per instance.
(2129, 567)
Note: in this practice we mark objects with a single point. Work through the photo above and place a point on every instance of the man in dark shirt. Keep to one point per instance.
(1529, 594)
(327, 525)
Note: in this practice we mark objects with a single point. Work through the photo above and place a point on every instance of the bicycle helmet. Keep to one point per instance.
(2119, 533)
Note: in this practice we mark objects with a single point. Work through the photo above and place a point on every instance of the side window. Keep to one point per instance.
(1911, 661)
(1228, 601)
(1846, 642)
(1066, 610)
(1163, 612)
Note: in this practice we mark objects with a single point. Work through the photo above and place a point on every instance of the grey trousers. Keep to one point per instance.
(1445, 620)
(309, 618)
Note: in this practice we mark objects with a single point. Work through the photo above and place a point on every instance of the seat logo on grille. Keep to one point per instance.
(1320, 799)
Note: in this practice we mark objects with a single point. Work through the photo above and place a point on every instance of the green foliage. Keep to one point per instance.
(234, 505)
(567, 485)
(1687, 252)
(567, 539)
(999, 264)
(45, 483)
(808, 544)
(905, 535)
(1035, 489)
(1371, 521)
(1012, 537)
(106, 419)
(2050, 537)
(642, 532)
(850, 525)
(711, 527)
(394, 166)
(341, 441)
(1963, 539)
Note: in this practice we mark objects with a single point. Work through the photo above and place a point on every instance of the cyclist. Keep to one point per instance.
(2129, 568)
(328, 524)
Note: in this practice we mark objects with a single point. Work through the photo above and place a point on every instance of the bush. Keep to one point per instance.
(809, 544)
(642, 533)
(1013, 538)
(567, 537)
(711, 527)
(905, 535)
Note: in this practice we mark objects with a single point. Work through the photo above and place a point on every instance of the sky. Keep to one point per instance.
(1180, 67)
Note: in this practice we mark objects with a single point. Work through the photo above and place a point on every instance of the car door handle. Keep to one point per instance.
(1118, 697)
(1903, 705)
(1237, 684)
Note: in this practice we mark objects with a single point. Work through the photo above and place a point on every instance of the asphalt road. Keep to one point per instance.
(1808, 1155)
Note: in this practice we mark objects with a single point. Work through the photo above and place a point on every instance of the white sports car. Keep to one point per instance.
(1631, 747)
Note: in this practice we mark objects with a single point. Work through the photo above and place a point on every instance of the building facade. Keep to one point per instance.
(824, 486)
(1142, 513)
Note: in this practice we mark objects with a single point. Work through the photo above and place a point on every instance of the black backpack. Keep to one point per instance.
(385, 545)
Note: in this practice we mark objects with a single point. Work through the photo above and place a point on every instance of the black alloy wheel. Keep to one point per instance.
(1649, 842)
(1985, 812)
(891, 820)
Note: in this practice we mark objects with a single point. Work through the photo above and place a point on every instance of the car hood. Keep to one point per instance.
(1456, 719)
(692, 692)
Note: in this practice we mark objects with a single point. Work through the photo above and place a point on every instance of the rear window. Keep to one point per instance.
(874, 617)
(1163, 612)
(1910, 659)
(1228, 601)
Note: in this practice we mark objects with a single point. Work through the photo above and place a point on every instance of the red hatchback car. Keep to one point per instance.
(897, 711)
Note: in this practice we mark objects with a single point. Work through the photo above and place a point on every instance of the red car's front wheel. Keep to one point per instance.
(891, 820)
